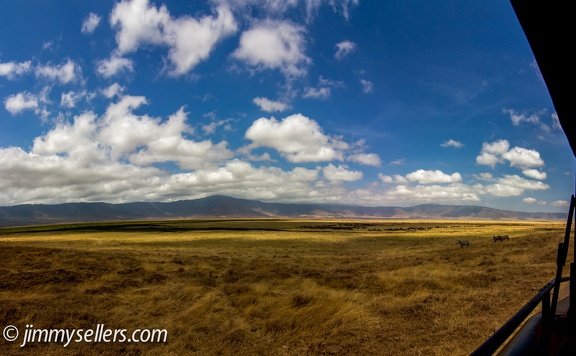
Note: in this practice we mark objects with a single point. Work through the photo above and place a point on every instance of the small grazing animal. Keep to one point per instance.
(463, 243)
(500, 238)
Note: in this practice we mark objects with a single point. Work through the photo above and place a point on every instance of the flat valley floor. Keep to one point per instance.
(271, 287)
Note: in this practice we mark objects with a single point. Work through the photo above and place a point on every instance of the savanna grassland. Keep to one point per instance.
(274, 287)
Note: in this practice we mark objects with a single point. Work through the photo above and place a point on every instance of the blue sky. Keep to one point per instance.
(321, 101)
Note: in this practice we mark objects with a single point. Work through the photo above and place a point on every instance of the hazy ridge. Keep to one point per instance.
(227, 207)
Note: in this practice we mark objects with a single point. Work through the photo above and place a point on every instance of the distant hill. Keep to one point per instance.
(227, 207)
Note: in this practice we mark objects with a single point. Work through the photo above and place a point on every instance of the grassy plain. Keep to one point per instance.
(274, 287)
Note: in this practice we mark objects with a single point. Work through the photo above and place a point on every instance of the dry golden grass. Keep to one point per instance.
(274, 287)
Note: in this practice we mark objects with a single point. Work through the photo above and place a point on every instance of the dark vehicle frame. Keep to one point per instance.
(550, 29)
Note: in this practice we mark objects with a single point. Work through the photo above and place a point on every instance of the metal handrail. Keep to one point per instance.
(499, 337)
(548, 307)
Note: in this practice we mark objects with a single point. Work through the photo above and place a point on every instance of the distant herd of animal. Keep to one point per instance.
(500, 238)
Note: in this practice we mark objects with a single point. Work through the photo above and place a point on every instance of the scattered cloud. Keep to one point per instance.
(369, 159)
(343, 49)
(536, 69)
(316, 93)
(397, 178)
(114, 65)
(278, 8)
(12, 70)
(69, 99)
(367, 86)
(342, 6)
(518, 118)
(484, 176)
(561, 203)
(544, 122)
(268, 105)
(90, 23)
(385, 179)
(113, 90)
(530, 200)
(556, 122)
(452, 143)
(115, 153)
(63, 73)
(323, 90)
(211, 127)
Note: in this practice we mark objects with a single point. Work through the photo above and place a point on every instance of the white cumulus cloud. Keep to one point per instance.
(19, 102)
(120, 135)
(534, 173)
(432, 193)
(274, 45)
(189, 40)
(138, 24)
(513, 185)
(431, 177)
(488, 159)
(497, 148)
(341, 173)
(500, 151)
(523, 157)
(297, 138)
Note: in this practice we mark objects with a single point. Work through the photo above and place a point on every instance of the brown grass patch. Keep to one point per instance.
(274, 287)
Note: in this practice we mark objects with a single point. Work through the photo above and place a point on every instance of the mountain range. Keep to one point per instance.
(227, 207)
